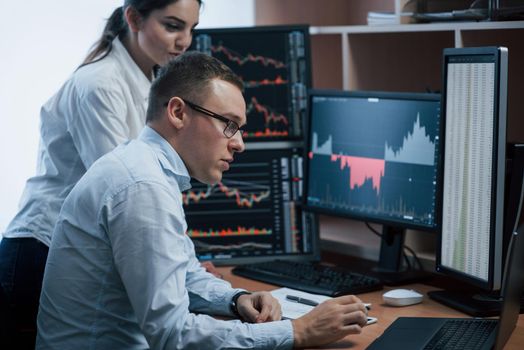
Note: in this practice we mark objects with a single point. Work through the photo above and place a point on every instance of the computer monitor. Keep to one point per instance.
(471, 245)
(274, 63)
(254, 213)
(374, 157)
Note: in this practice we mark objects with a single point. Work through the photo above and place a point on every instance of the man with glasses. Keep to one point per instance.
(122, 274)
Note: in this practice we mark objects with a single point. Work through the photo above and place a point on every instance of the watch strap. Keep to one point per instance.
(233, 305)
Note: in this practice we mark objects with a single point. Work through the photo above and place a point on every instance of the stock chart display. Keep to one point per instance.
(273, 63)
(253, 211)
(374, 158)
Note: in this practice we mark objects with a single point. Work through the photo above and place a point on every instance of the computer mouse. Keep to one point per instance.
(402, 297)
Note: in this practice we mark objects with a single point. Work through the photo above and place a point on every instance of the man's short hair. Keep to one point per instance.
(187, 76)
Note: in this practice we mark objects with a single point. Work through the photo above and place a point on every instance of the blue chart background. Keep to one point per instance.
(360, 128)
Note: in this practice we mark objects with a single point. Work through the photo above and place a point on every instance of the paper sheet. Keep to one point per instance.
(292, 309)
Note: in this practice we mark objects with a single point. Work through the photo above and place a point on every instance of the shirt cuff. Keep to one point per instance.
(227, 301)
(273, 335)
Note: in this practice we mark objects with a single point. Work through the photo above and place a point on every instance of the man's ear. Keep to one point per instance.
(133, 19)
(175, 112)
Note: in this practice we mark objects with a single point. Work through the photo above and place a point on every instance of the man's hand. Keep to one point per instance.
(259, 307)
(330, 321)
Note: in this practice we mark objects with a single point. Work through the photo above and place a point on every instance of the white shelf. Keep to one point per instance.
(423, 27)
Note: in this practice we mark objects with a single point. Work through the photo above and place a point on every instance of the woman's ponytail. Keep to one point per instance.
(115, 26)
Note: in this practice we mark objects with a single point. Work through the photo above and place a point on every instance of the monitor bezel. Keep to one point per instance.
(498, 172)
(304, 28)
(362, 94)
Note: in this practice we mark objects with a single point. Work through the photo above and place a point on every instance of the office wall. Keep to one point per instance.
(42, 43)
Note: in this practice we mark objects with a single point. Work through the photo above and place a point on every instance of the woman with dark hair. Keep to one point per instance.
(101, 105)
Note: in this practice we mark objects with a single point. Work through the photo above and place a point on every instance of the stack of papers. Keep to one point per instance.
(388, 18)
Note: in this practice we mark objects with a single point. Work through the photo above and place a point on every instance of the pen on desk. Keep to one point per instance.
(312, 302)
(301, 300)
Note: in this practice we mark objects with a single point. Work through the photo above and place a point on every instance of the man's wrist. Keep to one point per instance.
(298, 333)
(233, 305)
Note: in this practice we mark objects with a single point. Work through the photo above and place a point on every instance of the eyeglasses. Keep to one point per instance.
(231, 126)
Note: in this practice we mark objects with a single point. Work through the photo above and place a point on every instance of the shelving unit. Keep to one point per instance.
(460, 32)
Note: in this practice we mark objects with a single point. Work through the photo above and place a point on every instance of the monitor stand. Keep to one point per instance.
(390, 268)
(471, 303)
(476, 304)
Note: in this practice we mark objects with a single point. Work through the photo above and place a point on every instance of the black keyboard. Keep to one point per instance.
(462, 334)
(309, 277)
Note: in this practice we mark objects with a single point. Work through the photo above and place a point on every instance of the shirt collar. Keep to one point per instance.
(167, 156)
(135, 74)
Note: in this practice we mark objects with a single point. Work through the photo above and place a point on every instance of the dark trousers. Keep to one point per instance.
(22, 263)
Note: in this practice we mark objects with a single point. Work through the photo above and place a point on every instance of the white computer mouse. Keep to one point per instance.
(402, 297)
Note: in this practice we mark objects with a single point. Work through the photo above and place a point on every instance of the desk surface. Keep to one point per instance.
(385, 314)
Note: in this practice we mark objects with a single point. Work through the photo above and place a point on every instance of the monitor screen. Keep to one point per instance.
(254, 213)
(274, 63)
(373, 156)
(474, 139)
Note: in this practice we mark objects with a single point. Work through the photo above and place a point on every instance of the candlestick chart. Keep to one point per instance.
(274, 66)
(252, 210)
